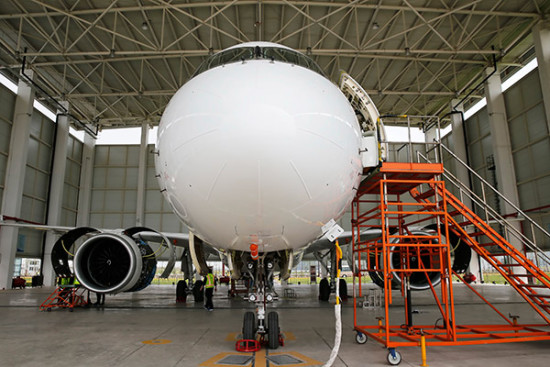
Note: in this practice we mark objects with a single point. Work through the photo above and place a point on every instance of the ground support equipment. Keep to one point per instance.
(65, 296)
(399, 254)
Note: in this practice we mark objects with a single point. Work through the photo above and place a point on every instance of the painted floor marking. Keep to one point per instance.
(233, 337)
(157, 341)
(260, 359)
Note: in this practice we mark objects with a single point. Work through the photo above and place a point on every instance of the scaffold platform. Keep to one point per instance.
(391, 209)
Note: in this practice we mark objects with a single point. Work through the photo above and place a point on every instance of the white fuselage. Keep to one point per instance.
(258, 151)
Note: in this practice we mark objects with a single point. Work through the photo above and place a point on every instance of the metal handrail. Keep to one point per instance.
(518, 210)
(490, 212)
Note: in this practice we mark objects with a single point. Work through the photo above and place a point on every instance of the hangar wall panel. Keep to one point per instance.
(35, 187)
(450, 163)
(114, 191)
(7, 103)
(530, 141)
(530, 146)
(158, 213)
(72, 181)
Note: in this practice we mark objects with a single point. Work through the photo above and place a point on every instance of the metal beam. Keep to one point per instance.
(424, 9)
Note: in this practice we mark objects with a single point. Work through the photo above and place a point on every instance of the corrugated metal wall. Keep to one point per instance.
(114, 191)
(530, 147)
(6, 118)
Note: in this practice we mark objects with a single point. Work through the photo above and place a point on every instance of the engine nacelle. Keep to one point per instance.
(418, 280)
(111, 263)
(107, 262)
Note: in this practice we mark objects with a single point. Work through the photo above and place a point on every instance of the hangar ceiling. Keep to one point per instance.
(119, 62)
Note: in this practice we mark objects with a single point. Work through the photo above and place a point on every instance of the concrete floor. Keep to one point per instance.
(188, 335)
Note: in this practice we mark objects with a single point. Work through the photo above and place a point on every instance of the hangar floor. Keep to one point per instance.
(149, 329)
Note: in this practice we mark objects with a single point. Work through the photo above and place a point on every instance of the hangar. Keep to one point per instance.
(471, 77)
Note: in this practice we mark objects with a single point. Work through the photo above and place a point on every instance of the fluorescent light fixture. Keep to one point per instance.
(8, 83)
(531, 65)
(446, 130)
(44, 110)
(77, 134)
(475, 108)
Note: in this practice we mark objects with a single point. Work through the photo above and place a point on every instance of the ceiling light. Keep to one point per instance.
(144, 26)
(375, 26)
(407, 51)
(112, 53)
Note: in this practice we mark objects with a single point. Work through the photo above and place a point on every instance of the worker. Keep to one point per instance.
(100, 299)
(209, 290)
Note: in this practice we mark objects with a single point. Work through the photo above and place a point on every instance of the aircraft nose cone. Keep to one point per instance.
(263, 149)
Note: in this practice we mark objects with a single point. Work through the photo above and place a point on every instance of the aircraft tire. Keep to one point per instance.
(324, 290)
(343, 290)
(273, 330)
(249, 326)
(181, 292)
(198, 294)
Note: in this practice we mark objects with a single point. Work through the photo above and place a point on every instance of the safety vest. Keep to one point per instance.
(209, 281)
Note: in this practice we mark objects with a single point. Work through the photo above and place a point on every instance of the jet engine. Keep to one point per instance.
(109, 262)
(400, 258)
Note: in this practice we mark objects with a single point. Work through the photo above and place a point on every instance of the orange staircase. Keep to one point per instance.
(404, 217)
(520, 272)
(387, 247)
(65, 296)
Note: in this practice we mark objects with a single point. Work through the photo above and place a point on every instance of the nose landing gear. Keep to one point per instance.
(262, 293)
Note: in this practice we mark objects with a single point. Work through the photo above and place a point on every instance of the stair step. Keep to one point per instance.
(532, 285)
(425, 195)
(509, 265)
(475, 234)
(487, 244)
(539, 296)
(496, 254)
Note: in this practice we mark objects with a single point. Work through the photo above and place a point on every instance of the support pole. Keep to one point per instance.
(541, 39)
(423, 350)
(86, 175)
(462, 174)
(15, 177)
(142, 176)
(56, 191)
(502, 149)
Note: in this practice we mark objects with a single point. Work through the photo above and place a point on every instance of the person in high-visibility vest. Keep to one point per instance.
(209, 290)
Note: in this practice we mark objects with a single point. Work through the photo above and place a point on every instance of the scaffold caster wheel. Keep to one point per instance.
(394, 357)
(361, 338)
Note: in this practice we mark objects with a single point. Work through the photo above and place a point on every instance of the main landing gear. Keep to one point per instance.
(261, 293)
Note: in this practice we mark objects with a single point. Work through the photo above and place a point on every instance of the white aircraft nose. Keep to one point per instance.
(259, 151)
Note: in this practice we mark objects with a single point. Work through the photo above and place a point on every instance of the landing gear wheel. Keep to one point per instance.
(324, 290)
(343, 290)
(249, 326)
(198, 294)
(273, 330)
(361, 338)
(394, 358)
(181, 292)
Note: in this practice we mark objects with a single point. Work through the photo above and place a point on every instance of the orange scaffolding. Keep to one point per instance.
(65, 296)
(386, 246)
